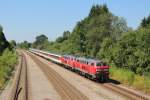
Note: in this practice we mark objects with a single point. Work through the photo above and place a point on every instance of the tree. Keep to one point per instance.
(13, 43)
(41, 42)
(98, 27)
(3, 42)
(24, 45)
(41, 38)
(1, 28)
(119, 26)
(66, 35)
(60, 39)
(145, 22)
(148, 20)
(98, 10)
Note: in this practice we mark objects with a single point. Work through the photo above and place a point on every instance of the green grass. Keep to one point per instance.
(7, 62)
(131, 79)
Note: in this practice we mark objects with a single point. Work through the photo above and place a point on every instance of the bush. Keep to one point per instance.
(131, 79)
(7, 63)
(122, 75)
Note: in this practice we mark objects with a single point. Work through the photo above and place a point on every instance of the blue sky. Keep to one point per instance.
(25, 19)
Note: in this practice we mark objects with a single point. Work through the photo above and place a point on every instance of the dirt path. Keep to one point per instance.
(39, 86)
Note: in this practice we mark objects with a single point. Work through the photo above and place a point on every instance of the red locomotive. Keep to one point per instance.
(91, 68)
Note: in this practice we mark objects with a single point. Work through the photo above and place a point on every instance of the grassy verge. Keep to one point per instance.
(7, 62)
(131, 79)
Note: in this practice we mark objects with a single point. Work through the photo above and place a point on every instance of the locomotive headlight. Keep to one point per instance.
(98, 70)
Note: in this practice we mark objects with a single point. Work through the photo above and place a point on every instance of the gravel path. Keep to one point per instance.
(39, 86)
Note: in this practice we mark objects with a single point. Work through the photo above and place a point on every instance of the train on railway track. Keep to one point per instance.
(90, 68)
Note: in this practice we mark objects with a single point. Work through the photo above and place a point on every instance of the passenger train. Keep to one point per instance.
(90, 68)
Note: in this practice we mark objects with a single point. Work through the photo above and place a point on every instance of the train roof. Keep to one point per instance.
(46, 52)
(94, 60)
(70, 56)
(89, 60)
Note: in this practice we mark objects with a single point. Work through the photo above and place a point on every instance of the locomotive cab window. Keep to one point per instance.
(98, 64)
(104, 64)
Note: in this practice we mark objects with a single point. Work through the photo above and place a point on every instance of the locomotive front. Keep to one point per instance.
(102, 71)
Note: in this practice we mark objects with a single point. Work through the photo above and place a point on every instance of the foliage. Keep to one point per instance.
(7, 58)
(88, 33)
(129, 78)
(132, 51)
(41, 42)
(13, 44)
(3, 42)
(119, 26)
(87, 37)
(145, 22)
(24, 45)
(59, 39)
(7, 62)
(66, 35)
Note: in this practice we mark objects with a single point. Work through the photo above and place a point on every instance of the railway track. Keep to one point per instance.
(64, 88)
(125, 92)
(20, 89)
